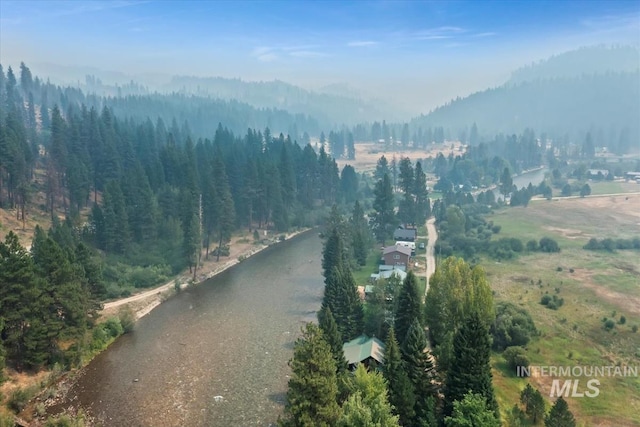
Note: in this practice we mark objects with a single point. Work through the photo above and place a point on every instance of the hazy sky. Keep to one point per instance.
(418, 54)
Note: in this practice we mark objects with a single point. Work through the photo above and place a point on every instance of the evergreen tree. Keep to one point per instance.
(409, 306)
(422, 207)
(470, 370)
(560, 416)
(384, 217)
(533, 402)
(327, 323)
(313, 389)
(360, 240)
(471, 411)
(401, 394)
(341, 297)
(382, 169)
(421, 373)
(368, 404)
(333, 253)
(506, 182)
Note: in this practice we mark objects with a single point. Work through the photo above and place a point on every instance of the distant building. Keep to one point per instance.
(597, 173)
(396, 255)
(405, 234)
(364, 350)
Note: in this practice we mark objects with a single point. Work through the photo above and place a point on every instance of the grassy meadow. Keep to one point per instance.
(595, 286)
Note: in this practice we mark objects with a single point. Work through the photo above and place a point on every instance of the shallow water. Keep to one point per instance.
(214, 355)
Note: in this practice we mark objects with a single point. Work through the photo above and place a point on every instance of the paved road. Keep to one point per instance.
(430, 255)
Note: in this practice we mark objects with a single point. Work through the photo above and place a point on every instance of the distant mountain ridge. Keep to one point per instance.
(554, 98)
(328, 106)
(583, 61)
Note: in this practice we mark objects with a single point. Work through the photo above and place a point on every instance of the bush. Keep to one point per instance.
(609, 324)
(113, 327)
(552, 302)
(532, 246)
(513, 326)
(515, 357)
(496, 229)
(634, 328)
(549, 245)
(558, 268)
(223, 250)
(18, 400)
(622, 320)
(127, 319)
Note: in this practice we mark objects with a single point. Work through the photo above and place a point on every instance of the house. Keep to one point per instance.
(405, 234)
(385, 274)
(364, 350)
(597, 173)
(396, 255)
(383, 267)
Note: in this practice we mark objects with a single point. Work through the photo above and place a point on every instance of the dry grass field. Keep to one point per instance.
(595, 285)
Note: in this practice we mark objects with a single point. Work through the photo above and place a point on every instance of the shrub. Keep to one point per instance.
(546, 299)
(496, 229)
(549, 245)
(113, 327)
(18, 400)
(552, 302)
(558, 268)
(532, 246)
(515, 357)
(571, 270)
(609, 324)
(622, 320)
(513, 326)
(127, 319)
(634, 328)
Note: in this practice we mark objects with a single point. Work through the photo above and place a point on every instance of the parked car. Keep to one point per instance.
(421, 245)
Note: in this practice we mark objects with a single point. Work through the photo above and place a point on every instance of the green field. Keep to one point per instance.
(594, 285)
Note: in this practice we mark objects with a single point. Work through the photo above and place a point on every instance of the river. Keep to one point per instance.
(215, 354)
(535, 177)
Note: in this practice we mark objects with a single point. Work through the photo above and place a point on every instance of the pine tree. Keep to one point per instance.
(384, 217)
(560, 416)
(313, 389)
(470, 370)
(401, 394)
(333, 254)
(409, 306)
(533, 402)
(421, 373)
(327, 323)
(368, 404)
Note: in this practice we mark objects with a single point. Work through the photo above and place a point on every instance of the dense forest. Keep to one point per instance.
(131, 203)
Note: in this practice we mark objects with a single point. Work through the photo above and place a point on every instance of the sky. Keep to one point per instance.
(413, 54)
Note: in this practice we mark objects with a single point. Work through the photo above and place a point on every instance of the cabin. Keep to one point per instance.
(405, 234)
(396, 255)
(365, 350)
(387, 273)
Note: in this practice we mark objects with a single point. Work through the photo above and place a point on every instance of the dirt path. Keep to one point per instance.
(430, 255)
(143, 302)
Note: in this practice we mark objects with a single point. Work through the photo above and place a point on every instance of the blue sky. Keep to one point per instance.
(382, 48)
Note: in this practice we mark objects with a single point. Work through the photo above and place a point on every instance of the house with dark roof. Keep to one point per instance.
(405, 234)
(364, 350)
(396, 255)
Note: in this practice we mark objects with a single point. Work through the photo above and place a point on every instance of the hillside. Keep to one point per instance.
(576, 63)
(557, 99)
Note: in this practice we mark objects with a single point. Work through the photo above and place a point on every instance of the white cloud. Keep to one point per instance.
(307, 54)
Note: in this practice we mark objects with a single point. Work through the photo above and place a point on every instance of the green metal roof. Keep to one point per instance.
(363, 347)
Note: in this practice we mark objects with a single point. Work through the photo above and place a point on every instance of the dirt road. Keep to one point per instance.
(430, 255)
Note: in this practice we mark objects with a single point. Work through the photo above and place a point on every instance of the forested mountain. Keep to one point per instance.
(330, 108)
(576, 63)
(556, 100)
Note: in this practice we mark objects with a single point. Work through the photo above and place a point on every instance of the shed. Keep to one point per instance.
(363, 350)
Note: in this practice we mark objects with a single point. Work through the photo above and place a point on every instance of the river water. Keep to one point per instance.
(214, 355)
(534, 177)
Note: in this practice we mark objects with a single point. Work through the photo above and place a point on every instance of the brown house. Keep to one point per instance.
(396, 255)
